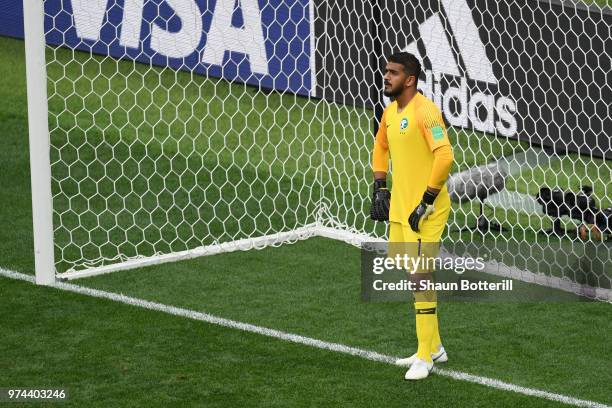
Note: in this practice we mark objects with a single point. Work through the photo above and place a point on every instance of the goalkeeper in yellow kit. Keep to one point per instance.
(412, 132)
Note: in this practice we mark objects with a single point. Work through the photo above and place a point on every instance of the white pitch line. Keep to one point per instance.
(308, 341)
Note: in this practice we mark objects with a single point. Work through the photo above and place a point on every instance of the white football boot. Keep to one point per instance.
(419, 369)
(439, 357)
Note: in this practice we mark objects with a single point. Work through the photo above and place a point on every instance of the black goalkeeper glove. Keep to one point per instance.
(422, 211)
(381, 201)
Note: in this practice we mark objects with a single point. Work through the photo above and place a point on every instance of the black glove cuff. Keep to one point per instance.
(429, 197)
(380, 183)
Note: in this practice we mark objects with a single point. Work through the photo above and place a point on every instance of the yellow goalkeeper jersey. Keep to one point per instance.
(410, 137)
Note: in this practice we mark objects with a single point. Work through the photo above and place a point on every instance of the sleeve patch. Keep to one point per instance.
(437, 133)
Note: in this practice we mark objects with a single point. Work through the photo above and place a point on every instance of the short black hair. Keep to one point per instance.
(411, 64)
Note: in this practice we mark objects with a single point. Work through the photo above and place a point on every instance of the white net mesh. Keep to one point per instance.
(181, 125)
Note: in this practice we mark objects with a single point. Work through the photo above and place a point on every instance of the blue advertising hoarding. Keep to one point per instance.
(11, 18)
(265, 43)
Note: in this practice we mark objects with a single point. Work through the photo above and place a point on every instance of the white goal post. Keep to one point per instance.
(40, 166)
(166, 130)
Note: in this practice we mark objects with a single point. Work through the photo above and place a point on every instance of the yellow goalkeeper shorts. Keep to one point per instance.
(403, 233)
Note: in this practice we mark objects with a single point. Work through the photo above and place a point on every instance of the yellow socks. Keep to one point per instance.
(436, 342)
(426, 328)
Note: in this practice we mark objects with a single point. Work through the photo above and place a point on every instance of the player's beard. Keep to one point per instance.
(393, 92)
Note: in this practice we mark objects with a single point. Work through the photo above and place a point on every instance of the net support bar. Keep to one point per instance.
(301, 233)
(491, 267)
(354, 238)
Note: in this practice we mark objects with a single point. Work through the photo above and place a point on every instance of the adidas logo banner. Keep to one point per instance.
(509, 69)
(459, 76)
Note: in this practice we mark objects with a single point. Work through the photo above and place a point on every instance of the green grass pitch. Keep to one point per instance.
(110, 354)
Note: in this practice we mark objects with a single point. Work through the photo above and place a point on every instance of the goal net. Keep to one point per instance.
(182, 128)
